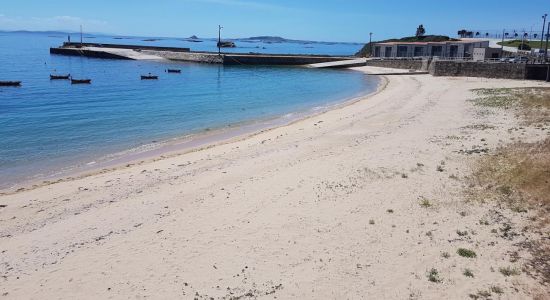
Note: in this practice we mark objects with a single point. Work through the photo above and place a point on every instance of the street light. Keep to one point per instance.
(220, 39)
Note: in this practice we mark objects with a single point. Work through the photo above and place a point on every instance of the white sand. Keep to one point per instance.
(283, 214)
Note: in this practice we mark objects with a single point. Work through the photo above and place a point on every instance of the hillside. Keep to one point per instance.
(427, 38)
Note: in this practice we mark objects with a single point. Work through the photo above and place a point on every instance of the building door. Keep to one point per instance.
(377, 51)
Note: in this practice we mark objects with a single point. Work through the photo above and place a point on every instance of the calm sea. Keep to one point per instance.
(50, 127)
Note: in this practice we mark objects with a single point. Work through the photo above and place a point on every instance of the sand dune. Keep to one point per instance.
(325, 208)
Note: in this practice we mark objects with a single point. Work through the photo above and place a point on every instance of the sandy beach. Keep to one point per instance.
(330, 207)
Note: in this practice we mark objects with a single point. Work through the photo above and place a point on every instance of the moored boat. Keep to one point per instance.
(60, 77)
(81, 81)
(173, 71)
(149, 77)
(10, 83)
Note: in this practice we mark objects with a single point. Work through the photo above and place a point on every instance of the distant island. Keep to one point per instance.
(278, 39)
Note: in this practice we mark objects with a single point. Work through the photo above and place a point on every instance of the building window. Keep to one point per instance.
(418, 51)
(402, 51)
(388, 52)
(437, 51)
(453, 51)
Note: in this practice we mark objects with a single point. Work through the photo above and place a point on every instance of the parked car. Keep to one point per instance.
(519, 59)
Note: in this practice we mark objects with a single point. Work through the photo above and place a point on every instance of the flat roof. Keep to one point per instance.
(467, 41)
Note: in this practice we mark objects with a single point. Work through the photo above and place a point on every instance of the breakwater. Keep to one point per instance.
(133, 52)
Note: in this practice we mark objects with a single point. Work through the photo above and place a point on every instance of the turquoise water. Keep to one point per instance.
(47, 126)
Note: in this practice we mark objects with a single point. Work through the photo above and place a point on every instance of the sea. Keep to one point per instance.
(51, 129)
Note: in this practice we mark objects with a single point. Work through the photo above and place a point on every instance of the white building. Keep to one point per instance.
(453, 49)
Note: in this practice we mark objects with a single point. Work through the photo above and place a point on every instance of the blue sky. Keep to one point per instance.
(327, 20)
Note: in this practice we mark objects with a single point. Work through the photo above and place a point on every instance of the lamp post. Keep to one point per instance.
(370, 44)
(220, 39)
(543, 24)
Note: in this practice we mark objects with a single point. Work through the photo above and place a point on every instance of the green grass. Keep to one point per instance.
(516, 43)
(466, 253)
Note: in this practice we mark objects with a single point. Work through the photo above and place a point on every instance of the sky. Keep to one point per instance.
(320, 20)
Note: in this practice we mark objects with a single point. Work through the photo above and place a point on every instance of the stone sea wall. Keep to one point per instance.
(396, 64)
(478, 69)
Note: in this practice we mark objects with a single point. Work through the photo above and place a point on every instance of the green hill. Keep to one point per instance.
(427, 38)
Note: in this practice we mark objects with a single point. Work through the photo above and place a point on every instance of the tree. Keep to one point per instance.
(477, 33)
(420, 31)
(486, 34)
(462, 33)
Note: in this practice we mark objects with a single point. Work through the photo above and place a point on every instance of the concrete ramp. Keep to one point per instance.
(349, 63)
(128, 53)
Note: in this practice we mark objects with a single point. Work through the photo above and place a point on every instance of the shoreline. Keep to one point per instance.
(368, 200)
(195, 141)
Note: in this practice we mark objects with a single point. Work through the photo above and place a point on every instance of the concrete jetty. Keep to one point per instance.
(135, 52)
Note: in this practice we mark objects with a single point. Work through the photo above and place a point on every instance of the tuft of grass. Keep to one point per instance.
(468, 273)
(453, 177)
(371, 222)
(496, 289)
(389, 211)
(445, 255)
(425, 203)
(509, 271)
(462, 233)
(433, 276)
(439, 168)
(466, 253)
(481, 295)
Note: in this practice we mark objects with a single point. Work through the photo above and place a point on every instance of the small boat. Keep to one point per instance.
(149, 77)
(81, 81)
(10, 83)
(60, 77)
(173, 71)
(226, 44)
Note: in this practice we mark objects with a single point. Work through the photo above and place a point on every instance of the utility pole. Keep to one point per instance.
(542, 35)
(546, 47)
(220, 39)
(502, 44)
(370, 44)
